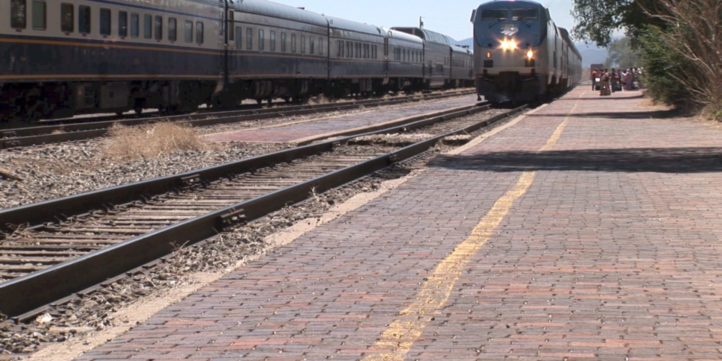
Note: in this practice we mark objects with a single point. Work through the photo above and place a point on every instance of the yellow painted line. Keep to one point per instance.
(396, 342)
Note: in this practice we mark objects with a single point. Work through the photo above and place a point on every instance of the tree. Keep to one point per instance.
(599, 19)
(622, 55)
(693, 33)
(679, 42)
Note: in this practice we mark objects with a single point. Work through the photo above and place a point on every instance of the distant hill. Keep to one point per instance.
(466, 42)
(590, 54)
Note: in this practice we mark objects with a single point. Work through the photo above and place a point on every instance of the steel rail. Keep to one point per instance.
(35, 290)
(48, 134)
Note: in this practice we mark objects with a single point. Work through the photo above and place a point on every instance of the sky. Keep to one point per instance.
(450, 17)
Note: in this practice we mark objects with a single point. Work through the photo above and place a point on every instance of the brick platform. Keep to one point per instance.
(589, 230)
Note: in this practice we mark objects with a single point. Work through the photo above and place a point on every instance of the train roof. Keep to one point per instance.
(425, 34)
(509, 4)
(397, 34)
(344, 24)
(460, 49)
(270, 8)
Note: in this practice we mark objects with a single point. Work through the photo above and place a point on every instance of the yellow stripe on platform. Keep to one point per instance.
(396, 342)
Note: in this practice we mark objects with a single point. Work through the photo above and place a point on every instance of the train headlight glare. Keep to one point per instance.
(488, 55)
(530, 54)
(509, 44)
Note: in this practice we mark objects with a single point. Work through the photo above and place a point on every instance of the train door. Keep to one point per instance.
(233, 37)
(451, 68)
(386, 56)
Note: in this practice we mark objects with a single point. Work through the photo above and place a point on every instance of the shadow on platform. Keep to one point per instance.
(569, 99)
(660, 114)
(660, 160)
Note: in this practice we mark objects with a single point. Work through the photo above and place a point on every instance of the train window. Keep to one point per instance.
(321, 46)
(293, 43)
(249, 38)
(134, 25)
(524, 14)
(199, 32)
(84, 19)
(18, 14)
(367, 51)
(40, 11)
(312, 46)
(376, 52)
(349, 49)
(188, 31)
(105, 22)
(122, 24)
(239, 37)
(172, 29)
(273, 40)
(148, 26)
(261, 39)
(231, 22)
(158, 28)
(67, 18)
(358, 50)
(496, 15)
(303, 44)
(339, 51)
(283, 42)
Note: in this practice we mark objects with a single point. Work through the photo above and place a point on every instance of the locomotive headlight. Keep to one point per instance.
(530, 54)
(509, 44)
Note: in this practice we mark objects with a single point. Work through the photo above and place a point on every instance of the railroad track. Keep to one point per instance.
(88, 129)
(52, 249)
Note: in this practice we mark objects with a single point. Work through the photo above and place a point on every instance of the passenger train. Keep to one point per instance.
(64, 57)
(520, 55)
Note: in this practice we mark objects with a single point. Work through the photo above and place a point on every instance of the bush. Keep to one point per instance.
(151, 141)
(661, 65)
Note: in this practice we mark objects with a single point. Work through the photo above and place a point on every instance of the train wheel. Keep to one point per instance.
(138, 106)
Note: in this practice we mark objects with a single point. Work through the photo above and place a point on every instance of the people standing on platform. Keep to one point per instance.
(595, 75)
(614, 81)
(604, 80)
(629, 80)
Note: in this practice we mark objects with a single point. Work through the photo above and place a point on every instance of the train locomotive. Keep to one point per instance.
(520, 55)
(66, 57)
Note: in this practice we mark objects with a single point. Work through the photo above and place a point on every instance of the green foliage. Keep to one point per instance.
(660, 63)
(679, 41)
(599, 19)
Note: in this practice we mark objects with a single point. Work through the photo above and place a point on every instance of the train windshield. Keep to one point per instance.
(521, 20)
(524, 14)
(494, 15)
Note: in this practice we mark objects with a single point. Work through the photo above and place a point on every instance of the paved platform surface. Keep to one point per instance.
(299, 130)
(588, 230)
